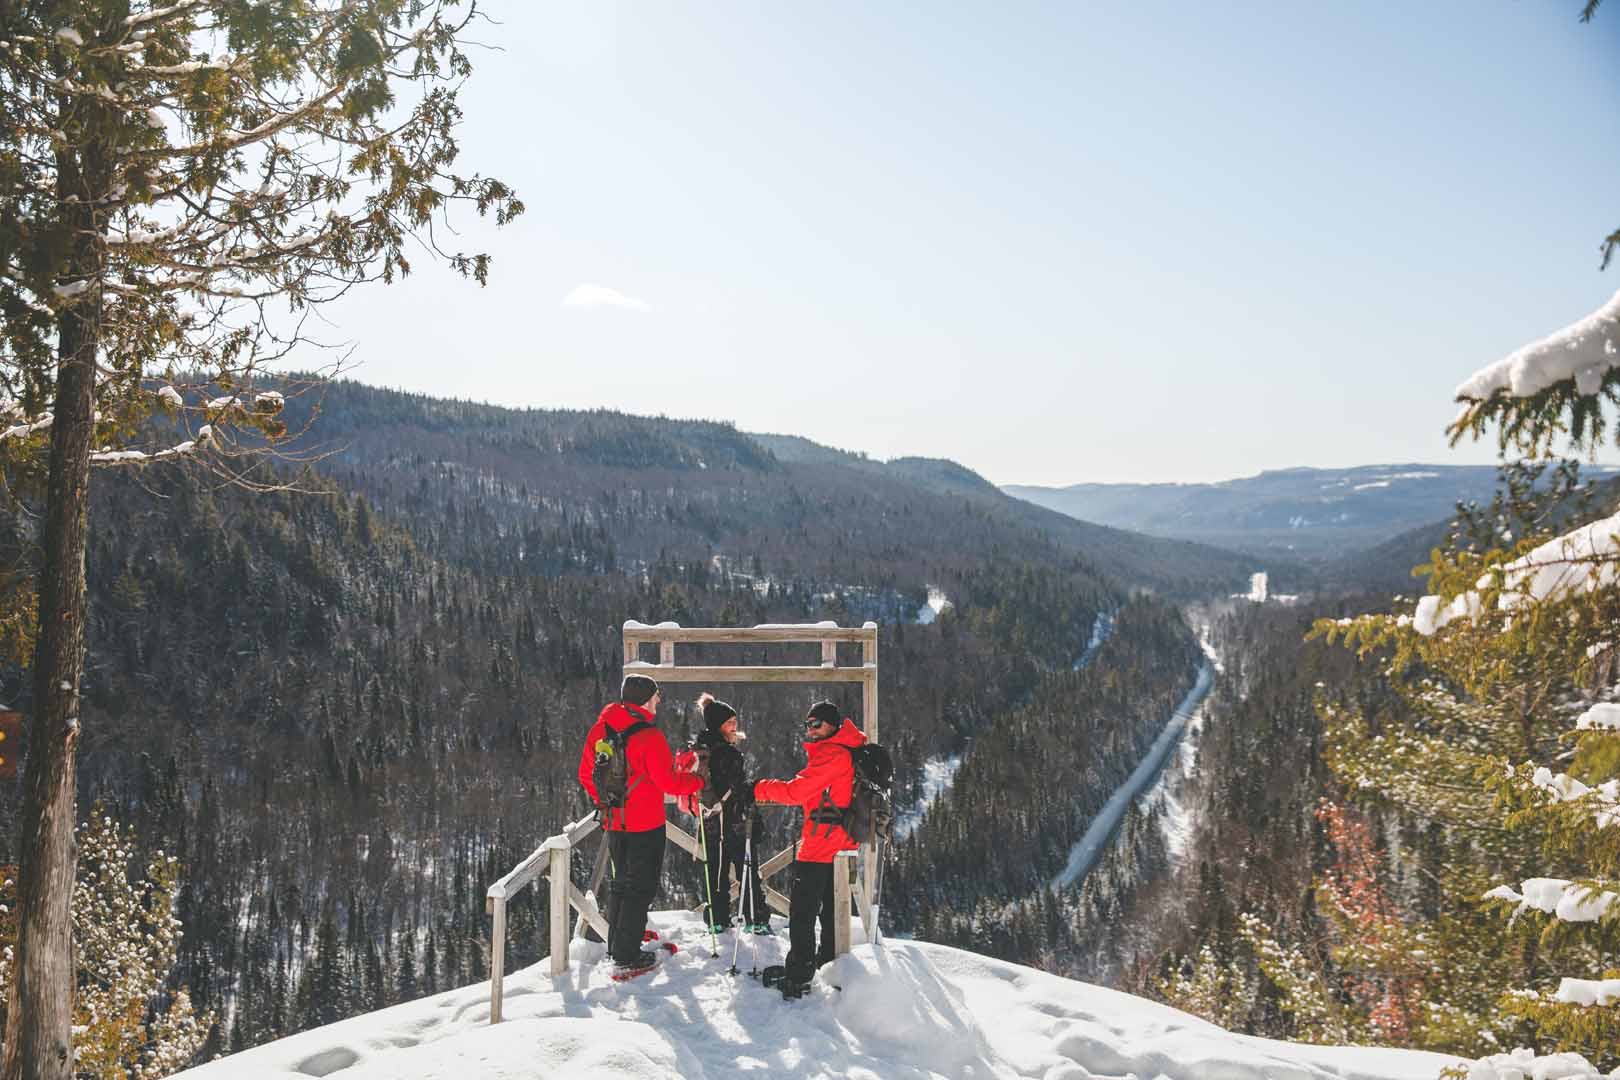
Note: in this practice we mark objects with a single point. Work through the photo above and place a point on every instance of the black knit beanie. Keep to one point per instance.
(826, 712)
(716, 713)
(637, 690)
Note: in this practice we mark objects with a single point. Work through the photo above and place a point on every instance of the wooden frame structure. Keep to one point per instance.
(856, 875)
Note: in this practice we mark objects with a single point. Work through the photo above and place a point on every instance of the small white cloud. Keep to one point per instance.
(600, 296)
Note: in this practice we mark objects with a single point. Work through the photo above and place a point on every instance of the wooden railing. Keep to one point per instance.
(854, 882)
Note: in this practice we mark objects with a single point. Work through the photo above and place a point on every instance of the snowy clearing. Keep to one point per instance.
(907, 1010)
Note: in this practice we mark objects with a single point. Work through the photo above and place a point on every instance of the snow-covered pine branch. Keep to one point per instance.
(1533, 393)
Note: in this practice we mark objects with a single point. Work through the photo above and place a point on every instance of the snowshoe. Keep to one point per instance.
(625, 970)
(793, 989)
(773, 975)
(648, 935)
(760, 928)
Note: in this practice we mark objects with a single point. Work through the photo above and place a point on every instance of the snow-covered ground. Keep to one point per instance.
(1085, 851)
(907, 1010)
(937, 605)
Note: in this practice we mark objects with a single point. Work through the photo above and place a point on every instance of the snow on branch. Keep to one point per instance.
(1563, 788)
(1564, 900)
(1581, 561)
(20, 431)
(1552, 388)
(1584, 351)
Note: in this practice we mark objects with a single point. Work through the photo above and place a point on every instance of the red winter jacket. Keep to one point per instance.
(830, 769)
(649, 760)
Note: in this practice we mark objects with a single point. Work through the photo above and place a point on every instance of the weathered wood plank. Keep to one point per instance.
(685, 840)
(598, 869)
(588, 911)
(750, 635)
(497, 960)
(777, 902)
(843, 863)
(753, 674)
(560, 885)
(775, 864)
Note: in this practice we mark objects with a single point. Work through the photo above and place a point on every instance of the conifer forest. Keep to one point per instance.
(294, 667)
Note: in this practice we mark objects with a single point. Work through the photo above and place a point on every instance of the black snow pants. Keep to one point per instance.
(810, 902)
(725, 851)
(635, 862)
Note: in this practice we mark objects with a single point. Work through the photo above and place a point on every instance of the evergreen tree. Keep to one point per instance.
(167, 170)
(1499, 665)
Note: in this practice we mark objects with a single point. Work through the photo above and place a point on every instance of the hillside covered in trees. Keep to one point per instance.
(347, 708)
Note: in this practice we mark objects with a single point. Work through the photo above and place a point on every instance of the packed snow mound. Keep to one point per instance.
(902, 1009)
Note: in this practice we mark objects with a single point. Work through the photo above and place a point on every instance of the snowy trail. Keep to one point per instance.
(1085, 851)
(907, 1010)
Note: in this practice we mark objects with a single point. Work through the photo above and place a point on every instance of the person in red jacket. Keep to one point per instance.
(823, 788)
(635, 831)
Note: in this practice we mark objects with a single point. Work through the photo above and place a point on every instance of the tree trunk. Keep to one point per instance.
(39, 1024)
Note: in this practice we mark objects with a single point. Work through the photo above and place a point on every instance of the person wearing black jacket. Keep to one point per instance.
(727, 803)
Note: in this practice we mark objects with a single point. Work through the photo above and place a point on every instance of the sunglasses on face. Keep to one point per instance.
(813, 722)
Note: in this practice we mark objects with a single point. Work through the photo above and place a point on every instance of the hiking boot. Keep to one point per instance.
(793, 989)
(641, 962)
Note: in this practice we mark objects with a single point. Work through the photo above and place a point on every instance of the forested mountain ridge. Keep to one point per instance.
(347, 708)
(689, 489)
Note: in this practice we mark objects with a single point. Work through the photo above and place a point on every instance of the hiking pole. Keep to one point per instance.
(749, 876)
(743, 899)
(708, 890)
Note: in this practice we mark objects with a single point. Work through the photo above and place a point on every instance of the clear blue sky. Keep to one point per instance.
(1097, 241)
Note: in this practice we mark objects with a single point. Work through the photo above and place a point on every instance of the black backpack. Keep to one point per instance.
(869, 817)
(610, 775)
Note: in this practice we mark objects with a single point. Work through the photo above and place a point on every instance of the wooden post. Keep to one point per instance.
(497, 959)
(829, 654)
(842, 864)
(559, 909)
(869, 852)
(666, 654)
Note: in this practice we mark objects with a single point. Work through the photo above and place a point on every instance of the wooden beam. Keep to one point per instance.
(776, 863)
(749, 635)
(829, 654)
(843, 863)
(776, 901)
(695, 673)
(588, 911)
(559, 910)
(497, 959)
(685, 840)
(595, 887)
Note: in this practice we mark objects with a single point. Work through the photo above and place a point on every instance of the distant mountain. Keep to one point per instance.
(1309, 513)
(692, 490)
(1387, 567)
